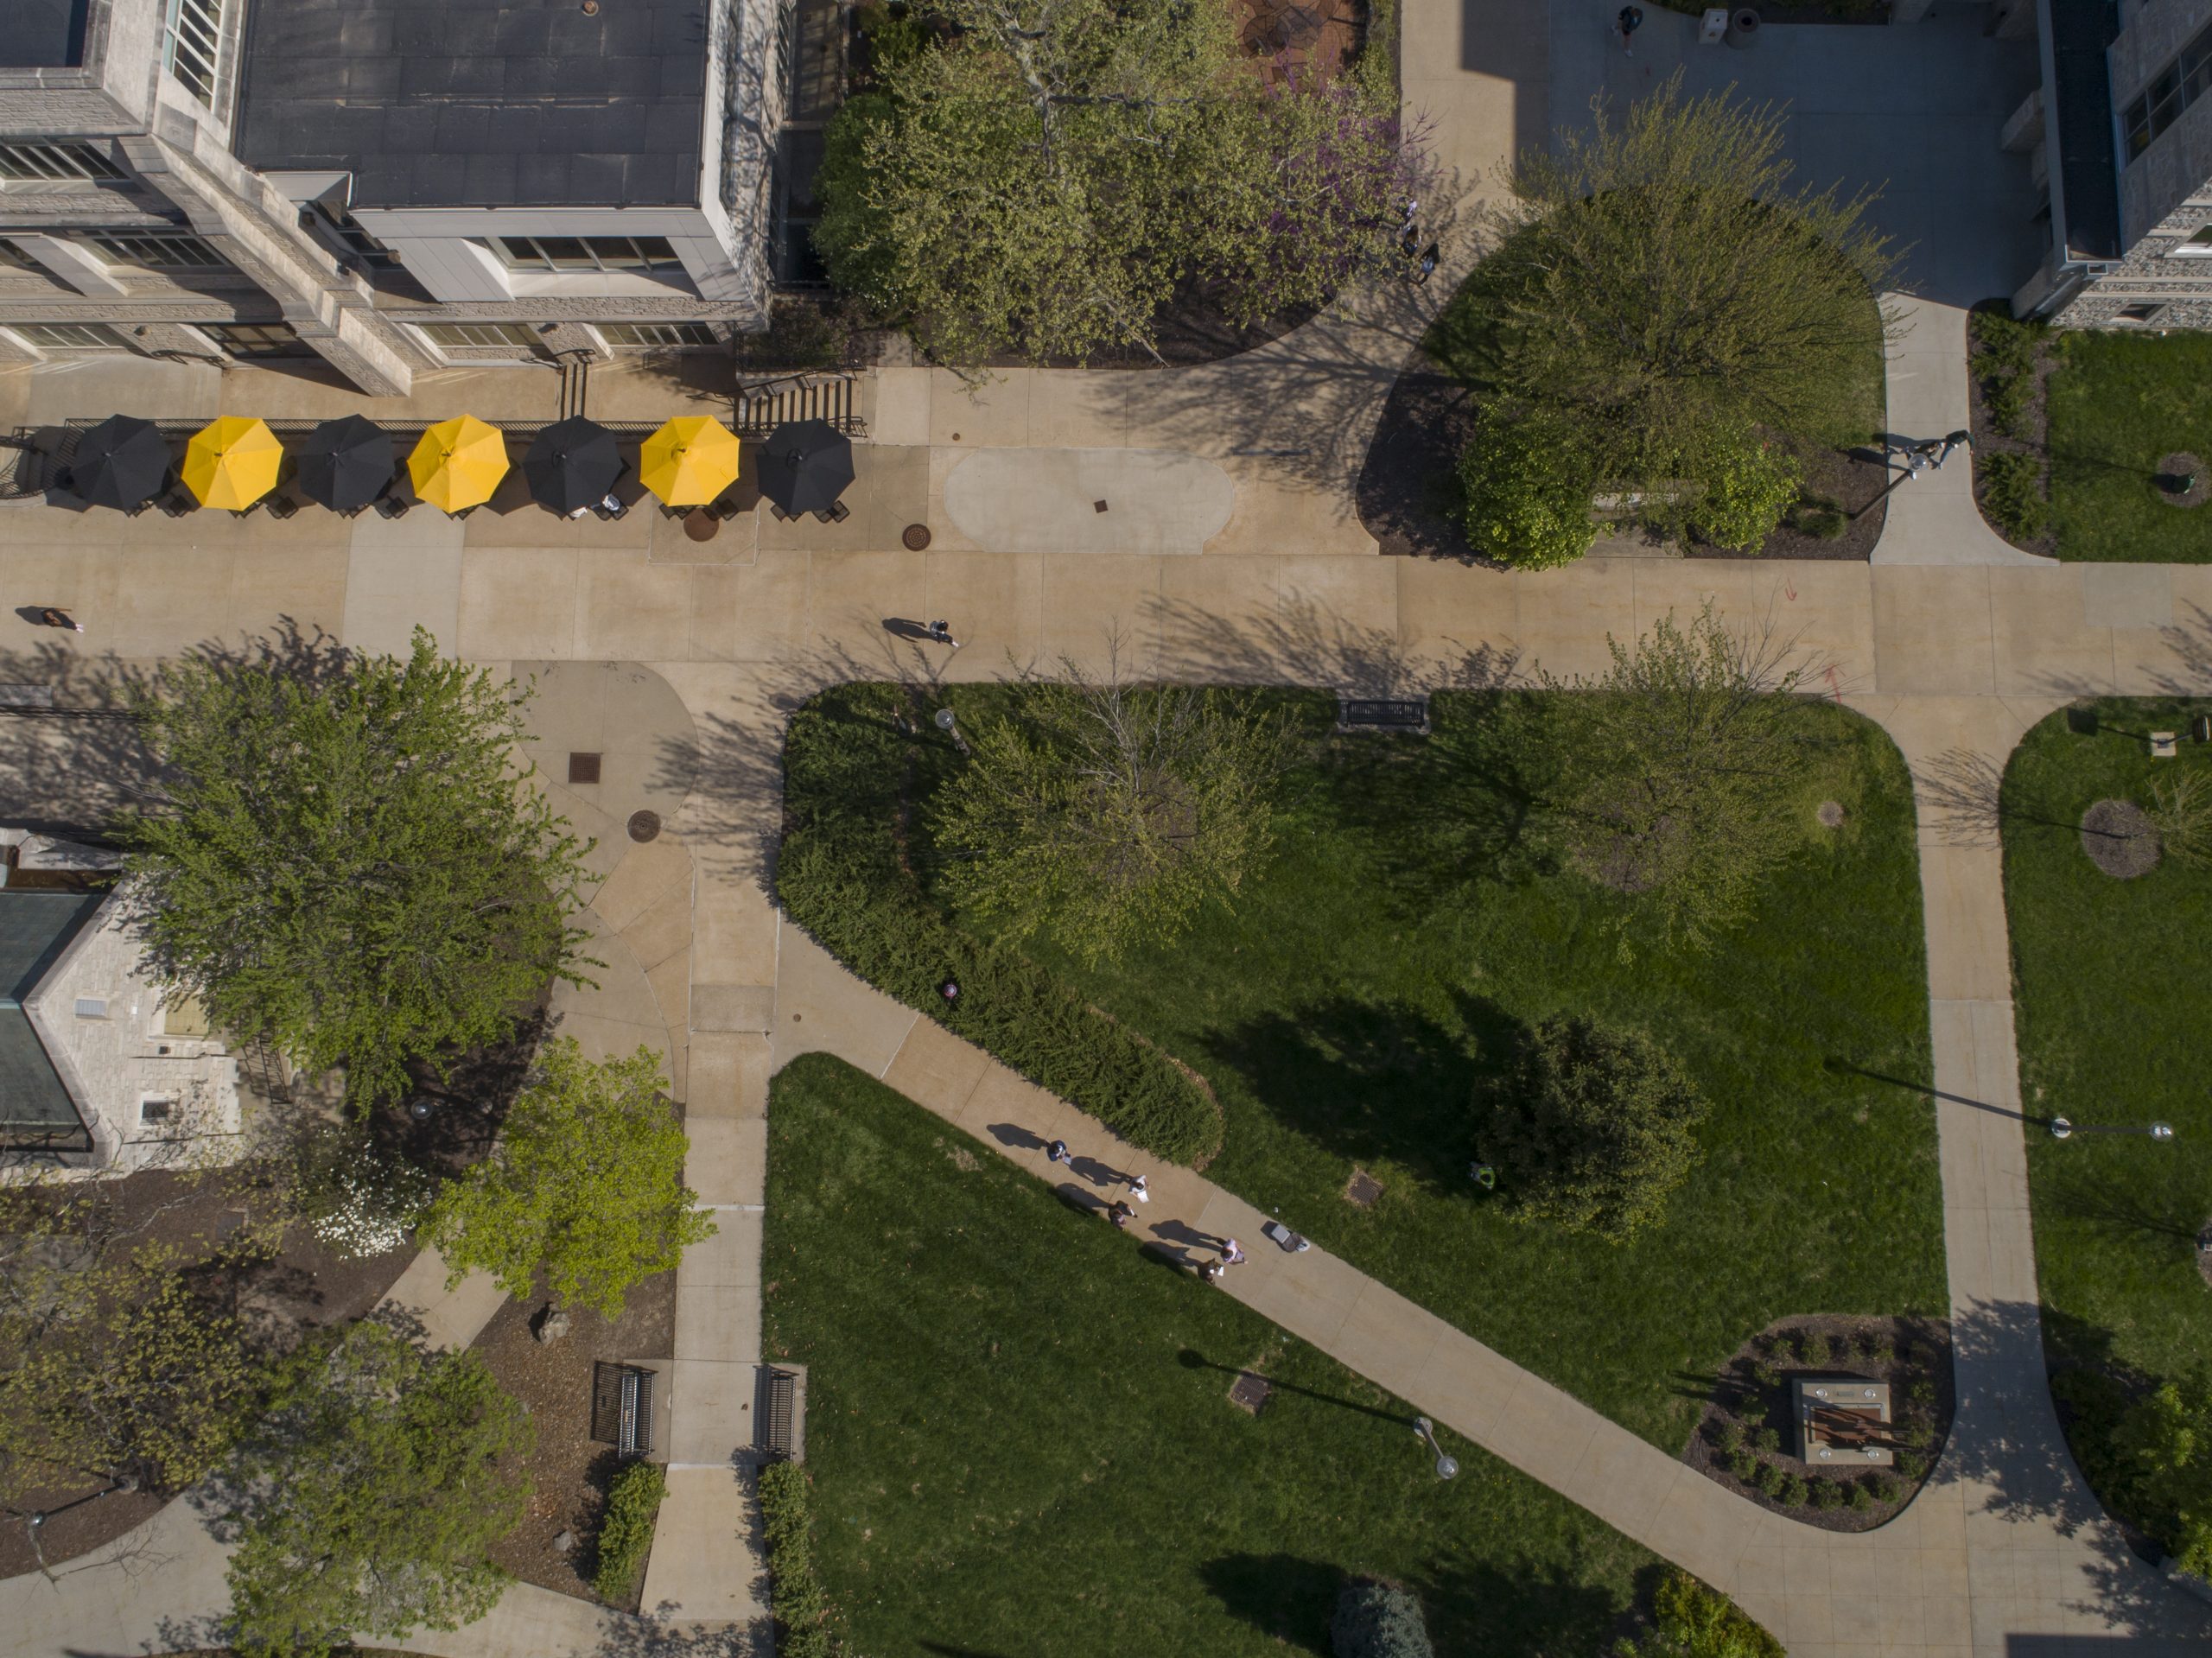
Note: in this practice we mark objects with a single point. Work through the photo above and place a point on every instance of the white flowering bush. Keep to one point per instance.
(360, 1203)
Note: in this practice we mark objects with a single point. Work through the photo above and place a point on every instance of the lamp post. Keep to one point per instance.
(2061, 1129)
(949, 723)
(1446, 1467)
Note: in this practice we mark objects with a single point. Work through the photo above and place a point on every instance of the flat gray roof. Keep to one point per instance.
(34, 929)
(480, 102)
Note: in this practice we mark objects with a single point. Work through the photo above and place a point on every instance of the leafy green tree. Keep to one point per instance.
(1111, 813)
(1527, 486)
(1375, 1619)
(1659, 282)
(1596, 1126)
(1041, 180)
(1678, 768)
(365, 1502)
(2164, 1444)
(119, 1366)
(1748, 485)
(1691, 1620)
(585, 1183)
(348, 863)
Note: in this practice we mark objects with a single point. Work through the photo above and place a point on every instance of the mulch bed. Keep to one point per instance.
(2120, 839)
(569, 1471)
(1752, 1402)
(305, 1286)
(2034, 435)
(1407, 486)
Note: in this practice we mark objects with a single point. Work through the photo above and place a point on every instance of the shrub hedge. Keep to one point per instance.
(840, 877)
(787, 1521)
(626, 1530)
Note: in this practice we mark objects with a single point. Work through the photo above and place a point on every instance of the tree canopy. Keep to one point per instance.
(1037, 177)
(119, 1363)
(345, 860)
(1660, 286)
(1595, 1127)
(1691, 1620)
(584, 1183)
(1678, 767)
(1110, 812)
(364, 1500)
(2164, 1443)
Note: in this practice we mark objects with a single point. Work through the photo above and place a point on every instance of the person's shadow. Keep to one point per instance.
(900, 628)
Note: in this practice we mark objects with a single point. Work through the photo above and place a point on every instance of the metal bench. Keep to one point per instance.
(1409, 713)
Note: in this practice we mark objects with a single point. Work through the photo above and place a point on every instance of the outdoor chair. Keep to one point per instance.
(836, 513)
(391, 507)
(282, 506)
(178, 501)
(611, 508)
(782, 517)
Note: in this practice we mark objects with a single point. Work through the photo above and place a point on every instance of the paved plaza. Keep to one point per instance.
(1230, 550)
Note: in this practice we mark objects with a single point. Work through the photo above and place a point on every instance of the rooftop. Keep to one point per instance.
(35, 1105)
(480, 102)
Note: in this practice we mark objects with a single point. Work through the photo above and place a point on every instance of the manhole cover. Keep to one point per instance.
(1249, 1393)
(916, 537)
(583, 768)
(643, 825)
(1830, 814)
(1363, 1188)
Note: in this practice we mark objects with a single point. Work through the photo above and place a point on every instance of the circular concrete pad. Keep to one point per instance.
(1050, 500)
(633, 721)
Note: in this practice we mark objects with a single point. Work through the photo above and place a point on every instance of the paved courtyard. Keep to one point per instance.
(679, 661)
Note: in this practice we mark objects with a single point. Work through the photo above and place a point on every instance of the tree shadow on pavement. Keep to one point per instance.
(2006, 1439)
(2191, 641)
(1301, 643)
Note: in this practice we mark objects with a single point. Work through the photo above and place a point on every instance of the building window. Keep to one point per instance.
(2139, 313)
(256, 339)
(567, 253)
(155, 1110)
(657, 336)
(20, 162)
(158, 252)
(184, 1016)
(2198, 246)
(2173, 90)
(520, 336)
(192, 42)
(68, 336)
(91, 1007)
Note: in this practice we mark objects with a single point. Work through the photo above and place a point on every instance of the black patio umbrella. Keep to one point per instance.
(120, 463)
(572, 465)
(344, 464)
(806, 466)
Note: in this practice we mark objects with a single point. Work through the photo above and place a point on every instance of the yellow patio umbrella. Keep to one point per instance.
(688, 462)
(232, 462)
(458, 463)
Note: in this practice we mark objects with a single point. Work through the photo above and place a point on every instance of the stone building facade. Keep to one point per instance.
(2121, 133)
(394, 185)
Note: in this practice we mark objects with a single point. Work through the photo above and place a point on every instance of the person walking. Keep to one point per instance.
(53, 616)
(1232, 1254)
(1958, 439)
(941, 633)
(1057, 1152)
(1428, 267)
(1121, 1214)
(1626, 25)
(1210, 1271)
(1138, 1189)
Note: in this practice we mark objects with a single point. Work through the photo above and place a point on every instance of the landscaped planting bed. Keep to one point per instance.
(2109, 976)
(1414, 922)
(1748, 1441)
(1019, 1437)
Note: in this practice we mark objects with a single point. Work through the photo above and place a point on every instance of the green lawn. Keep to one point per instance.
(2109, 977)
(1020, 1443)
(2119, 404)
(1411, 924)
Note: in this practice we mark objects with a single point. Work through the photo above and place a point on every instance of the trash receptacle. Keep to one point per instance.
(1742, 28)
